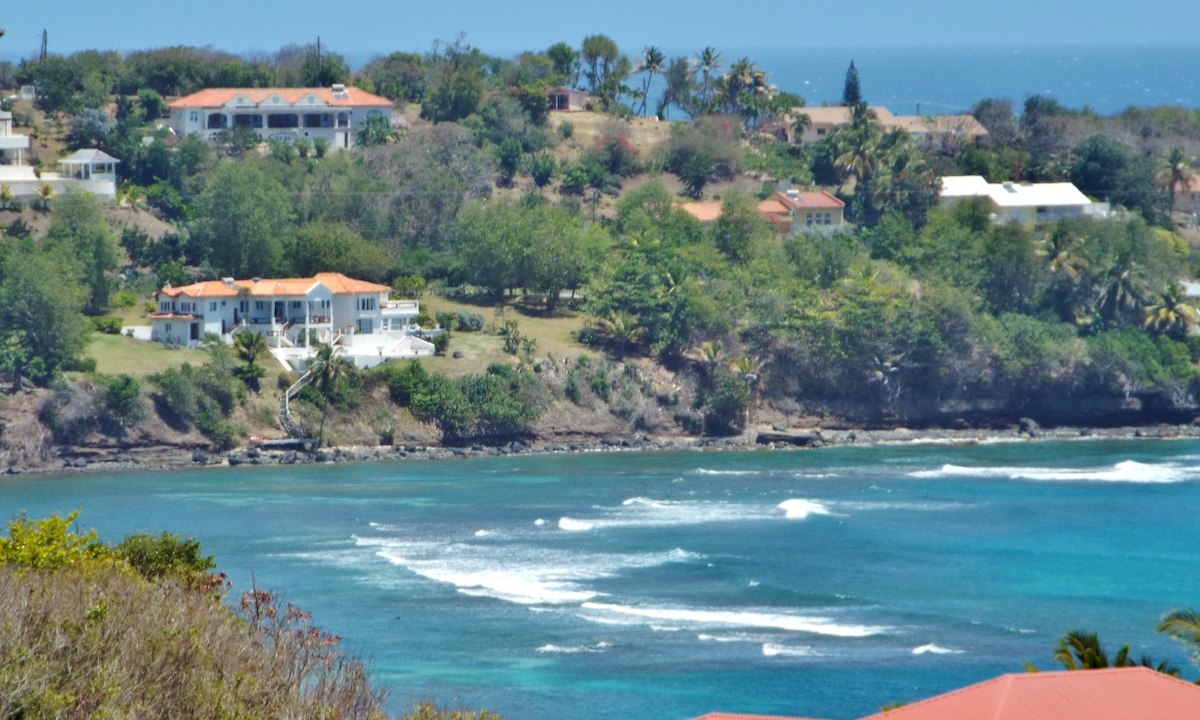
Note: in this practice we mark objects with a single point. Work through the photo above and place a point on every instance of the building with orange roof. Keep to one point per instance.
(787, 210)
(295, 315)
(332, 113)
(1126, 693)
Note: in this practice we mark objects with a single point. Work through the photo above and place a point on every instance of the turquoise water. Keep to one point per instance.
(657, 585)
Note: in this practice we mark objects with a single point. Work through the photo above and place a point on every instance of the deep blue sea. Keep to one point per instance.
(664, 585)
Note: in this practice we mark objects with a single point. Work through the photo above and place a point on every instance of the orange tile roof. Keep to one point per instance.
(1135, 693)
(774, 206)
(216, 97)
(705, 212)
(338, 283)
(206, 288)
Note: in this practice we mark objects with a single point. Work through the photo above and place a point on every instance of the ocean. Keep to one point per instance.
(661, 586)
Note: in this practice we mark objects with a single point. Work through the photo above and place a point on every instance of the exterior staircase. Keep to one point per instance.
(289, 424)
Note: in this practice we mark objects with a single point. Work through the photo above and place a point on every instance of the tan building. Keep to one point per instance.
(787, 211)
(925, 129)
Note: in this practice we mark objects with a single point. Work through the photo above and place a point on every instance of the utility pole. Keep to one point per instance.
(318, 60)
(42, 54)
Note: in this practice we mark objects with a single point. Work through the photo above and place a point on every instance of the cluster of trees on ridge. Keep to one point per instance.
(914, 313)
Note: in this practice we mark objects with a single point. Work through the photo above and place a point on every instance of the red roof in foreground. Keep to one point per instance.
(1136, 693)
(744, 716)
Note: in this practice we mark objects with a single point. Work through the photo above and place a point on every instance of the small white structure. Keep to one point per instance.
(295, 315)
(28, 92)
(91, 170)
(1022, 202)
(333, 113)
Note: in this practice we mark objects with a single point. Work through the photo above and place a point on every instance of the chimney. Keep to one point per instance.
(339, 87)
(228, 281)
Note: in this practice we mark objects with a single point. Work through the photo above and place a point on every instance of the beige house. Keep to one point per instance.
(1187, 195)
(788, 211)
(924, 129)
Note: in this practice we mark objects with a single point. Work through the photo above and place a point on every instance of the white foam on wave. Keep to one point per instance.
(730, 618)
(799, 508)
(777, 650)
(648, 512)
(539, 522)
(1128, 471)
(706, 471)
(483, 533)
(571, 525)
(573, 649)
(522, 574)
(935, 650)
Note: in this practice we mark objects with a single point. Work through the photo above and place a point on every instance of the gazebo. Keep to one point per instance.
(89, 165)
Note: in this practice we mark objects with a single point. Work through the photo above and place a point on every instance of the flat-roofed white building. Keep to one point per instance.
(294, 315)
(93, 171)
(333, 113)
(1022, 202)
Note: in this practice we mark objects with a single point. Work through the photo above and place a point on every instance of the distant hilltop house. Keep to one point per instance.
(295, 315)
(1023, 202)
(1124, 693)
(565, 99)
(333, 113)
(788, 211)
(924, 129)
(1187, 195)
(90, 170)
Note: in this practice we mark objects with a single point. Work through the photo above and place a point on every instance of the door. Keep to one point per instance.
(195, 332)
(279, 310)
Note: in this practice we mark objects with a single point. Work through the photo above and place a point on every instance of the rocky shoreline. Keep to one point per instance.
(118, 459)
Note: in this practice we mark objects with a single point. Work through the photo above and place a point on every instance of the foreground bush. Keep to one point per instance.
(89, 630)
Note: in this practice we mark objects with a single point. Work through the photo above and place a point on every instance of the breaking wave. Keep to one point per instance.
(1128, 471)
(728, 618)
(935, 650)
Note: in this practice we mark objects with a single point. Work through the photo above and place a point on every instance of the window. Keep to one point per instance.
(164, 307)
(217, 121)
(260, 305)
(212, 306)
(296, 304)
(365, 326)
(318, 120)
(244, 305)
(808, 218)
(828, 218)
(283, 120)
(820, 131)
(168, 328)
(250, 121)
(193, 116)
(366, 304)
(343, 120)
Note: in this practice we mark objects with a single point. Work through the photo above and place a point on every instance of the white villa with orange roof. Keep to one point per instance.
(295, 315)
(333, 113)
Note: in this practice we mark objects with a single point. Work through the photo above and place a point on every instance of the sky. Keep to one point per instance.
(361, 28)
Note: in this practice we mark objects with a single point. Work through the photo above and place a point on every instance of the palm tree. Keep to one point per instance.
(6, 196)
(858, 156)
(1183, 625)
(1171, 313)
(678, 75)
(1060, 254)
(1120, 289)
(1079, 650)
(328, 369)
(249, 345)
(708, 63)
(651, 63)
(45, 193)
(710, 354)
(1175, 171)
(622, 329)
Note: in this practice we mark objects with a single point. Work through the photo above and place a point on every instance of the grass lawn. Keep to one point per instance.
(119, 354)
(555, 335)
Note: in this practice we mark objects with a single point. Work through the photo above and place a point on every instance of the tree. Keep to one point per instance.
(620, 329)
(1183, 625)
(739, 227)
(708, 64)
(40, 315)
(249, 347)
(6, 196)
(852, 93)
(678, 87)
(1100, 164)
(599, 54)
(508, 158)
(323, 246)
(242, 213)
(542, 169)
(1171, 313)
(328, 370)
(44, 193)
(563, 62)
(377, 130)
(78, 229)
(651, 64)
(1120, 289)
(1175, 171)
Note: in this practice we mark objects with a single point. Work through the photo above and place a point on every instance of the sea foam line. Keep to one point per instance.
(1128, 471)
(736, 618)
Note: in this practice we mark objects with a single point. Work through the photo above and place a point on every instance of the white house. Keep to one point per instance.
(333, 113)
(295, 315)
(1023, 202)
(90, 170)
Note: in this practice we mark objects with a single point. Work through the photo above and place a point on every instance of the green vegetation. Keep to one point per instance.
(1082, 650)
(143, 627)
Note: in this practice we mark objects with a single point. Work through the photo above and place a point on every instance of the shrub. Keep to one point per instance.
(108, 324)
(320, 147)
(404, 382)
(70, 414)
(119, 401)
(485, 406)
(49, 543)
(469, 321)
(446, 319)
(571, 389)
(124, 298)
(725, 411)
(574, 179)
(601, 386)
(409, 286)
(441, 343)
(200, 397)
(566, 129)
(82, 364)
(155, 556)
